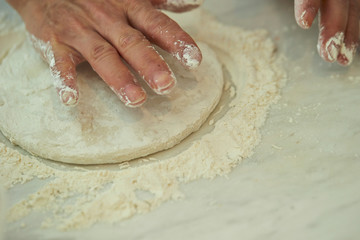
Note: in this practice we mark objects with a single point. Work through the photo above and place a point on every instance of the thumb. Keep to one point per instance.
(63, 71)
(176, 5)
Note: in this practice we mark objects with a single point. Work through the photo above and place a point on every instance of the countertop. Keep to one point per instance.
(303, 182)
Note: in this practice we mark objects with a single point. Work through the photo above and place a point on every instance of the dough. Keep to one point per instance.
(100, 129)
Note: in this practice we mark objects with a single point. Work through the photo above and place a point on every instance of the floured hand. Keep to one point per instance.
(338, 26)
(107, 33)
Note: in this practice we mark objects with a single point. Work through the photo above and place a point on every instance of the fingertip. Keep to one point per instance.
(69, 97)
(306, 11)
(192, 56)
(343, 61)
(346, 55)
(302, 21)
(189, 55)
(63, 72)
(65, 84)
(132, 95)
(351, 40)
(330, 49)
(163, 82)
(306, 16)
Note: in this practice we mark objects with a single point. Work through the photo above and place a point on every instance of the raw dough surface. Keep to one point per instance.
(100, 129)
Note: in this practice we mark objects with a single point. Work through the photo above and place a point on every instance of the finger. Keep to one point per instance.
(177, 5)
(166, 33)
(306, 11)
(350, 44)
(106, 61)
(63, 70)
(333, 21)
(142, 56)
(135, 49)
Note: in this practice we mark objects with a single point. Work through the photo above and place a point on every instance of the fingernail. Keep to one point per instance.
(69, 96)
(347, 54)
(163, 82)
(302, 20)
(333, 47)
(132, 95)
(307, 14)
(189, 56)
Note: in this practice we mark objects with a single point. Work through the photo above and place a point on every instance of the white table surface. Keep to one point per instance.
(303, 182)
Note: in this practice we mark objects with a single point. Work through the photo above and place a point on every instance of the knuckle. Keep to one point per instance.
(60, 60)
(136, 7)
(101, 51)
(158, 22)
(100, 12)
(58, 8)
(130, 39)
(77, 26)
(59, 13)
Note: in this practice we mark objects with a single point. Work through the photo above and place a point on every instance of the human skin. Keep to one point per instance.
(338, 27)
(105, 34)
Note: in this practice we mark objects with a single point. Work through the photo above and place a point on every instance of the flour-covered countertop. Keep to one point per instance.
(303, 182)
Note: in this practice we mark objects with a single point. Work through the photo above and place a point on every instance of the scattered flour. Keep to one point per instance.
(76, 198)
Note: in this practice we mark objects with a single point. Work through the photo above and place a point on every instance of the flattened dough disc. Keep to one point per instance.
(100, 129)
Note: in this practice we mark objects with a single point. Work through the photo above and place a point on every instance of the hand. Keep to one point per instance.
(105, 33)
(338, 24)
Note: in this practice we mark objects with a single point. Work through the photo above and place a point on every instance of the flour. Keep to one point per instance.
(109, 193)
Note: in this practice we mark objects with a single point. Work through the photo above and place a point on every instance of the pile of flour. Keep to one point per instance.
(253, 78)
